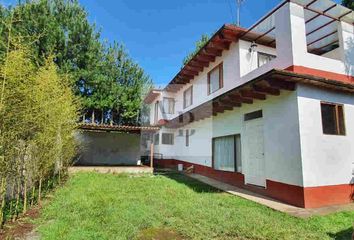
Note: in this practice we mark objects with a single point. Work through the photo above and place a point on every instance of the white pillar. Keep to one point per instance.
(290, 34)
(346, 45)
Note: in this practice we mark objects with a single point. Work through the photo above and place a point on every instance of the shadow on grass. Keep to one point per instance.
(193, 184)
(346, 234)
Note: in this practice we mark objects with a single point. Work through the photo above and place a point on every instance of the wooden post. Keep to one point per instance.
(152, 155)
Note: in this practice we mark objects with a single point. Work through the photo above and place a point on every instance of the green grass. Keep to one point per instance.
(97, 206)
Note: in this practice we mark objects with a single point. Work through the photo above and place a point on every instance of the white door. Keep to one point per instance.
(254, 161)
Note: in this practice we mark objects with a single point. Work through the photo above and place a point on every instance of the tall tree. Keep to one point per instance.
(61, 28)
(348, 4)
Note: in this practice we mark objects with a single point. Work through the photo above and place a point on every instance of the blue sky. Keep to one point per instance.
(158, 34)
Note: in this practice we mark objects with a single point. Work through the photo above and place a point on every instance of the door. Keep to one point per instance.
(254, 161)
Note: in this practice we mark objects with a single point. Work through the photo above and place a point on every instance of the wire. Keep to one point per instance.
(231, 11)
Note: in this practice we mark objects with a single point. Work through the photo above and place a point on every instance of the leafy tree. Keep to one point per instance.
(61, 28)
(198, 45)
(348, 4)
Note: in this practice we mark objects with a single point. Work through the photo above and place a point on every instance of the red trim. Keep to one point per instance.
(232, 178)
(320, 73)
(310, 197)
(328, 195)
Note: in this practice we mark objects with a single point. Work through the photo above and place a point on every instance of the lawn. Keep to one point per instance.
(97, 206)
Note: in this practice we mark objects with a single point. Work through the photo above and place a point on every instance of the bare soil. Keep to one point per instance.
(22, 228)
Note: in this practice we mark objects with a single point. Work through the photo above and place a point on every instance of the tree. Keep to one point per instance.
(61, 28)
(348, 4)
(198, 45)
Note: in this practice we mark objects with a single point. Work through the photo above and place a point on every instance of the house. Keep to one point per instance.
(269, 108)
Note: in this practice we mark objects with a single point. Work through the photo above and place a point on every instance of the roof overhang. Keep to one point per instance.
(270, 83)
(152, 95)
(321, 17)
(117, 128)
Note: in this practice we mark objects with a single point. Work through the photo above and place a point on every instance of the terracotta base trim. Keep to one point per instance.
(320, 73)
(309, 197)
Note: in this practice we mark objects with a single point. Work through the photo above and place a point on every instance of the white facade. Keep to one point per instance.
(295, 149)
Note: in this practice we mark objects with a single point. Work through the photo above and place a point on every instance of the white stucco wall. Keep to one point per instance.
(326, 159)
(281, 137)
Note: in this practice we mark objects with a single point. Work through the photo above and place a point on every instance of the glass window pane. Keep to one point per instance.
(328, 119)
(214, 78)
(224, 153)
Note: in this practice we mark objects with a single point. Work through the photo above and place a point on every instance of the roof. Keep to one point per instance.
(117, 128)
(152, 95)
(270, 83)
(321, 17)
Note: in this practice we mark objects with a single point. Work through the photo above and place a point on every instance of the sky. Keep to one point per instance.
(158, 34)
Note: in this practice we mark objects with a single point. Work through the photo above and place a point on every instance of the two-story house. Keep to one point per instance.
(269, 108)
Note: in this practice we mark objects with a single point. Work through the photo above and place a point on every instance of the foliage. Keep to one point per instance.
(348, 4)
(60, 28)
(38, 118)
(104, 206)
(198, 45)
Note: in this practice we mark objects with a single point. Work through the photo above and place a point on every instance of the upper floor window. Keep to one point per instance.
(332, 119)
(168, 105)
(264, 58)
(188, 97)
(215, 79)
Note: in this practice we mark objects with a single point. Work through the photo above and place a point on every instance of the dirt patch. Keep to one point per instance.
(159, 234)
(21, 228)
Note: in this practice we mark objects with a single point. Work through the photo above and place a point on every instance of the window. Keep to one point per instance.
(167, 138)
(332, 119)
(168, 105)
(188, 97)
(264, 58)
(253, 115)
(156, 112)
(227, 153)
(187, 138)
(215, 79)
(156, 139)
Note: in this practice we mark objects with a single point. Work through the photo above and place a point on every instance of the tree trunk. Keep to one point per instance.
(17, 200)
(40, 190)
(93, 117)
(24, 210)
(3, 201)
(32, 195)
(102, 112)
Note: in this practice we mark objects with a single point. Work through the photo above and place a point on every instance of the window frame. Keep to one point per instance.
(221, 78)
(172, 138)
(266, 55)
(339, 132)
(173, 106)
(157, 139)
(184, 97)
(235, 152)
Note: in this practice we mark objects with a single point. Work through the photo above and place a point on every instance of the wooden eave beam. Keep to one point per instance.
(189, 72)
(266, 90)
(252, 94)
(201, 64)
(281, 84)
(193, 68)
(238, 97)
(212, 52)
(219, 45)
(205, 58)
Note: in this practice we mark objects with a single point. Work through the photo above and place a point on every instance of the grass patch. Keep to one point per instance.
(105, 206)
